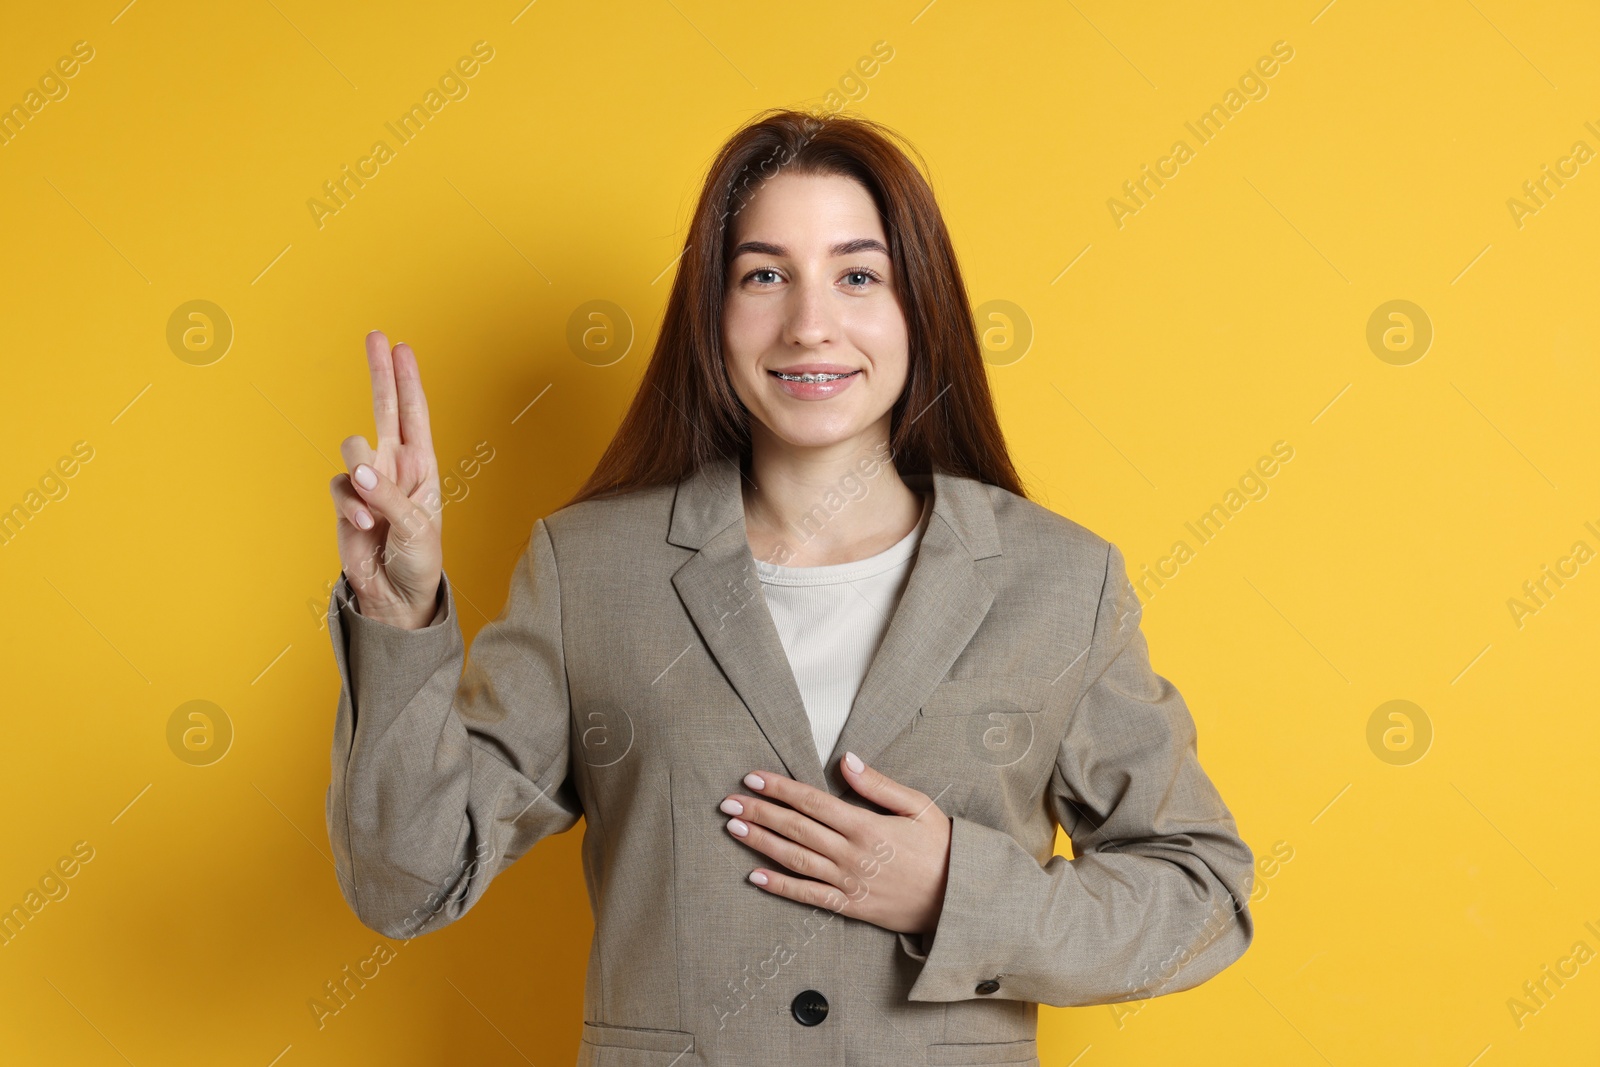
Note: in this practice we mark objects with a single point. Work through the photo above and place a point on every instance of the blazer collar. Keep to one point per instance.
(944, 602)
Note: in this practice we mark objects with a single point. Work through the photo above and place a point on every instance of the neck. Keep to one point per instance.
(810, 507)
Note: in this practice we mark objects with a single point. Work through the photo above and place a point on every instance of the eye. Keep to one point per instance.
(869, 277)
(759, 270)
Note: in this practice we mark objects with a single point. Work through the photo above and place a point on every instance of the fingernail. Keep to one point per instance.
(758, 878)
(754, 781)
(363, 520)
(853, 761)
(732, 807)
(738, 827)
(365, 478)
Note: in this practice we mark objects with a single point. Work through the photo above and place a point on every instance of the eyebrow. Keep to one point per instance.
(843, 248)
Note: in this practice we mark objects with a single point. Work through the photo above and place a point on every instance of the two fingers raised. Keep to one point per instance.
(399, 407)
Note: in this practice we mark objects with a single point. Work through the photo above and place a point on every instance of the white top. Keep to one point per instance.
(832, 619)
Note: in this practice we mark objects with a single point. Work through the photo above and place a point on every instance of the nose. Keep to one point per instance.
(809, 314)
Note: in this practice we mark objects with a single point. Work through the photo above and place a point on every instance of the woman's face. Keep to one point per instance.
(809, 293)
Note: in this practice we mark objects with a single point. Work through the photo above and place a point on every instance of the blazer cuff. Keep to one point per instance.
(991, 899)
(389, 663)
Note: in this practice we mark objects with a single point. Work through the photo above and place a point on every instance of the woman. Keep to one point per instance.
(820, 679)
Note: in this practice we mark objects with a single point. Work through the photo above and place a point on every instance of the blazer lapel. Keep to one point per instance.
(722, 594)
(944, 602)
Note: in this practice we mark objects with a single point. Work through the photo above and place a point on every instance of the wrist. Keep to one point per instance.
(399, 614)
(399, 622)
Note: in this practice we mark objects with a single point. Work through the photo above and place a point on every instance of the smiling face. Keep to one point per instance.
(812, 332)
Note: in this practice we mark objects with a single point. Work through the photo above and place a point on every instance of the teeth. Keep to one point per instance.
(811, 377)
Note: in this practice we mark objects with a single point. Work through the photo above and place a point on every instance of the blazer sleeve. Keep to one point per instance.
(1156, 900)
(446, 769)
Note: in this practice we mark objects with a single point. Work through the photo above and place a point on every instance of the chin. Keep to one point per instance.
(814, 436)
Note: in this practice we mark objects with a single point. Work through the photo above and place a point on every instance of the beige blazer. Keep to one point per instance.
(635, 676)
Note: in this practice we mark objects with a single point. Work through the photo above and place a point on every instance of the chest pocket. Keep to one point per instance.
(994, 737)
(992, 720)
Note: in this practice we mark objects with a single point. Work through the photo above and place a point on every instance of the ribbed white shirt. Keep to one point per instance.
(832, 619)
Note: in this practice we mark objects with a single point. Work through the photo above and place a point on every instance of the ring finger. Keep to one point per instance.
(349, 504)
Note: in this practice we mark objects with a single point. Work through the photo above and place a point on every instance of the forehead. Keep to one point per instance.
(807, 212)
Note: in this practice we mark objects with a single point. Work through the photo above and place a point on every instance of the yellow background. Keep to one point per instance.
(190, 558)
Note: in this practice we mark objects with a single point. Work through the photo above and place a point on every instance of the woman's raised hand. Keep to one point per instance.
(389, 529)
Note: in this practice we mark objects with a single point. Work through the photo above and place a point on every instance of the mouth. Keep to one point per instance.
(816, 381)
(808, 377)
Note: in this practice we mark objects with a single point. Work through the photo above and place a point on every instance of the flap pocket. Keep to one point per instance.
(984, 1052)
(982, 695)
(676, 1042)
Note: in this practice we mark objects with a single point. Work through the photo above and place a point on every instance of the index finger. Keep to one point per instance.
(808, 800)
(385, 410)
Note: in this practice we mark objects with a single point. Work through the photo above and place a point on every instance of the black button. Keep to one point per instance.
(988, 985)
(809, 1008)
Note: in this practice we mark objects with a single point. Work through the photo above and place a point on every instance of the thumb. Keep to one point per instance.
(883, 790)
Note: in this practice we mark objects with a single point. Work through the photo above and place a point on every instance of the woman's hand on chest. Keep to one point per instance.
(888, 869)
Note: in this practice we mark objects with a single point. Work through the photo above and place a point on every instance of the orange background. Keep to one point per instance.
(1426, 867)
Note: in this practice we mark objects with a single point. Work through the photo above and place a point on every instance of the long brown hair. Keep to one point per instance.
(686, 412)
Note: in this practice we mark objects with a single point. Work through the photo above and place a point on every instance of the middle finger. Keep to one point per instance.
(795, 826)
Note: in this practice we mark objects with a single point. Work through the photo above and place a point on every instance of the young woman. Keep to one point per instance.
(819, 678)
